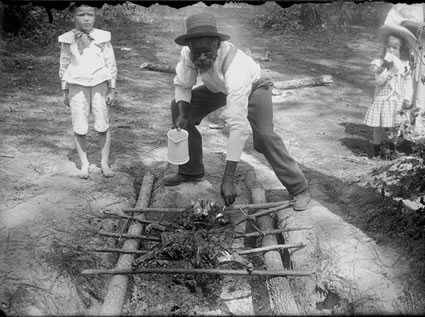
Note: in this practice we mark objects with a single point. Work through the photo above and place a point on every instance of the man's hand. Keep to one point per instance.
(182, 120)
(66, 97)
(228, 191)
(110, 97)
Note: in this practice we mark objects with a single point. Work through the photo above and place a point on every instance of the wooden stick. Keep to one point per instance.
(197, 271)
(235, 208)
(110, 250)
(268, 211)
(276, 231)
(128, 236)
(272, 247)
(304, 82)
(258, 206)
(138, 219)
(264, 212)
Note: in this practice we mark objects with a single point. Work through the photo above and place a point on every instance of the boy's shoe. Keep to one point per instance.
(178, 179)
(84, 172)
(107, 172)
(301, 201)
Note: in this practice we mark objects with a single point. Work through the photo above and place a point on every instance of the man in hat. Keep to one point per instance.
(409, 19)
(232, 79)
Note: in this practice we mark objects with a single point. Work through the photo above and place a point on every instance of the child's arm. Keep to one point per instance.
(108, 52)
(382, 77)
(64, 61)
(109, 56)
(380, 73)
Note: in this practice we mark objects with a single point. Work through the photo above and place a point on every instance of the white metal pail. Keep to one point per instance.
(178, 146)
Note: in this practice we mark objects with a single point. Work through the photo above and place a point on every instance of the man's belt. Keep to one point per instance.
(261, 83)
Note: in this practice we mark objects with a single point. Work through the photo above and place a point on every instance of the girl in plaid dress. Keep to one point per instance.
(393, 92)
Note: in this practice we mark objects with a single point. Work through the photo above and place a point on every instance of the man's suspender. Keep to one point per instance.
(417, 73)
(229, 59)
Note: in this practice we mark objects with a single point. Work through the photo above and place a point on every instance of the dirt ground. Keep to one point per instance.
(46, 211)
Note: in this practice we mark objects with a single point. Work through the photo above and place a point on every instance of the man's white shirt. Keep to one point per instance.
(236, 83)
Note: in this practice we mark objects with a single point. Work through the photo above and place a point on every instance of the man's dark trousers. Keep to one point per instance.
(266, 141)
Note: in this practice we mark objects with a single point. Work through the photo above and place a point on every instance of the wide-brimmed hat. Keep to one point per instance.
(200, 25)
(399, 31)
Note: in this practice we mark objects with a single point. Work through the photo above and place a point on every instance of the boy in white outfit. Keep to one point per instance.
(88, 73)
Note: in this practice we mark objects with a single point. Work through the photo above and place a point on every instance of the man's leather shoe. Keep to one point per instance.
(301, 201)
(178, 179)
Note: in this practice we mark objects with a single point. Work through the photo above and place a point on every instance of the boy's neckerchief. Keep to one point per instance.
(83, 39)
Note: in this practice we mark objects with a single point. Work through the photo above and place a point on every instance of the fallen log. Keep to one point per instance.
(282, 85)
(163, 68)
(266, 273)
(304, 82)
(117, 287)
(282, 300)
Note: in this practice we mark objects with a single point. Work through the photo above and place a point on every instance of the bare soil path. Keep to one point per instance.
(44, 207)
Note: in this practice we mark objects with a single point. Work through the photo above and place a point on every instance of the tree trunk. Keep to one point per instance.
(310, 16)
(282, 301)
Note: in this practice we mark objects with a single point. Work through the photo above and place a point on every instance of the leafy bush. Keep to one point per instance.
(336, 16)
(129, 11)
(33, 29)
(279, 18)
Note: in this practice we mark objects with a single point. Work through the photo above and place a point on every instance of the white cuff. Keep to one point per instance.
(64, 84)
(181, 93)
(235, 145)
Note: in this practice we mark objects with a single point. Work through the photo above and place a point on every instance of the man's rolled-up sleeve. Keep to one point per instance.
(185, 78)
(238, 84)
